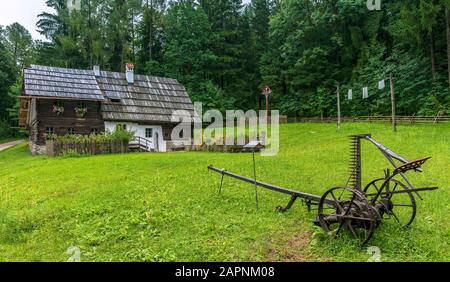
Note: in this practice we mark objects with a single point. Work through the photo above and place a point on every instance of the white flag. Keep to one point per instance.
(350, 94)
(365, 92)
(381, 84)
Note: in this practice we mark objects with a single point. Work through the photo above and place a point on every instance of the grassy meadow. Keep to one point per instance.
(165, 207)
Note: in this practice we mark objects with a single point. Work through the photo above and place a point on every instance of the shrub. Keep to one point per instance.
(122, 134)
(118, 135)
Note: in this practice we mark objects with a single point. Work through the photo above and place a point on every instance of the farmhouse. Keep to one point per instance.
(65, 101)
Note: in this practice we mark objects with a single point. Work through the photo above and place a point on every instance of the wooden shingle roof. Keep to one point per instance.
(42, 81)
(149, 99)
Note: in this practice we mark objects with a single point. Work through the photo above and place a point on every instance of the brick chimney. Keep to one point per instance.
(130, 73)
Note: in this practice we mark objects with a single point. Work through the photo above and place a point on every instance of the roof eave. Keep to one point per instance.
(59, 98)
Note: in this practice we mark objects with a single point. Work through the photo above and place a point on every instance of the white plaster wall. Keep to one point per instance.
(140, 131)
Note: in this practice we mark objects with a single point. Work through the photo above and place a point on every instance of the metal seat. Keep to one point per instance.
(414, 165)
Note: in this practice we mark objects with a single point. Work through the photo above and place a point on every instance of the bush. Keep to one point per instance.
(122, 134)
(118, 135)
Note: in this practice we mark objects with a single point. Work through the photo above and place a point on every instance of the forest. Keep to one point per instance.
(226, 51)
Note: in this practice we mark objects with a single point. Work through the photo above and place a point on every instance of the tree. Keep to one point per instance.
(260, 22)
(19, 42)
(223, 16)
(8, 74)
(150, 38)
(53, 25)
(447, 18)
(188, 55)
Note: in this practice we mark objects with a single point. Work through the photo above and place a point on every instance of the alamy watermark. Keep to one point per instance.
(237, 128)
(373, 5)
(375, 254)
(73, 5)
(74, 253)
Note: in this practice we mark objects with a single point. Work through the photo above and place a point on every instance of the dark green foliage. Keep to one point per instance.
(8, 74)
(19, 41)
(316, 46)
(226, 51)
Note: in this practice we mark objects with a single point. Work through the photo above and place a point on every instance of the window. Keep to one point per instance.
(149, 133)
(49, 130)
(71, 131)
(95, 131)
(115, 100)
(81, 105)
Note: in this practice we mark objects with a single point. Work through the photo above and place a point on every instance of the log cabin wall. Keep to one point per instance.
(84, 125)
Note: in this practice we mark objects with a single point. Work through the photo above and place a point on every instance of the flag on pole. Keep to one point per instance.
(381, 84)
(365, 92)
(350, 94)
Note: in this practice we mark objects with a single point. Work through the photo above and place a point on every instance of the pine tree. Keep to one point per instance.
(150, 37)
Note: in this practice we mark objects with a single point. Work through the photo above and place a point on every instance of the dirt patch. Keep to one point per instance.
(295, 250)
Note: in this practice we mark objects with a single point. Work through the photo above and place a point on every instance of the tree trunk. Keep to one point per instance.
(15, 53)
(433, 58)
(447, 17)
(150, 42)
(91, 36)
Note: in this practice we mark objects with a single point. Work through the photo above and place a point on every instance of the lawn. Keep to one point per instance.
(165, 207)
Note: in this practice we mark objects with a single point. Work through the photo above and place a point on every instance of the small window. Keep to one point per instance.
(115, 100)
(71, 131)
(95, 131)
(49, 130)
(149, 133)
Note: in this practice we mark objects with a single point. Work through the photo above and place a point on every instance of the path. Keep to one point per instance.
(8, 145)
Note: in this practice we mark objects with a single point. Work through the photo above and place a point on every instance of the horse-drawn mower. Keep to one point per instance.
(355, 208)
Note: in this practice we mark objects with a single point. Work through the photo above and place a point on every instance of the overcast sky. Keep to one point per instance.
(22, 11)
(25, 12)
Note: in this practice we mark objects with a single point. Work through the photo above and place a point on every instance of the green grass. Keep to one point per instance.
(165, 207)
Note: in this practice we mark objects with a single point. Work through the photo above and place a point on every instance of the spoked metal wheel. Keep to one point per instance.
(344, 208)
(399, 206)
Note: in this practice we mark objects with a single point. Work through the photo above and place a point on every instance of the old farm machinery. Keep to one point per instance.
(352, 207)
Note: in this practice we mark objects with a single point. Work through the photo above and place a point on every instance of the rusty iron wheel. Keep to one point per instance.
(345, 208)
(402, 207)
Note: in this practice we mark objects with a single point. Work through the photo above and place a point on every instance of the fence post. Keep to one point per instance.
(436, 120)
(338, 108)
(394, 123)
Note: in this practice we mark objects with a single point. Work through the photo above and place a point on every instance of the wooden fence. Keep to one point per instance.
(59, 148)
(384, 119)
